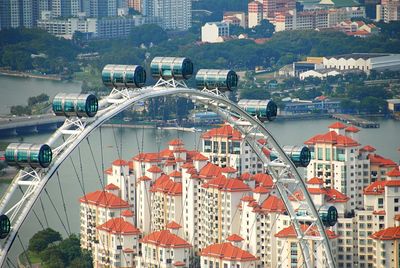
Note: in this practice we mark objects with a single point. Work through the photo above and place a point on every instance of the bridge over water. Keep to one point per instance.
(13, 126)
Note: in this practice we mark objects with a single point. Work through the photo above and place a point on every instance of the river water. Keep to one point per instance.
(17, 90)
(385, 139)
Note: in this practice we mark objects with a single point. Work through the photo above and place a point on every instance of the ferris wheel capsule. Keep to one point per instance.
(120, 76)
(5, 226)
(224, 80)
(171, 67)
(328, 215)
(75, 104)
(300, 155)
(28, 155)
(265, 110)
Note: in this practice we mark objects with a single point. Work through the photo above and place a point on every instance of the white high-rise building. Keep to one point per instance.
(190, 208)
(214, 32)
(169, 14)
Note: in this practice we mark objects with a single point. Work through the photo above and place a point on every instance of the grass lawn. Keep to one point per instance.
(33, 257)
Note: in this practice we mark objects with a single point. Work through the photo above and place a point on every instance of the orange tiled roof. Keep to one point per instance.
(315, 180)
(264, 180)
(394, 172)
(331, 195)
(375, 188)
(235, 238)
(225, 131)
(176, 142)
(111, 186)
(390, 233)
(165, 185)
(199, 157)
(173, 225)
(368, 148)
(120, 162)
(127, 213)
(261, 190)
(108, 171)
(273, 204)
(187, 165)
(144, 178)
(247, 198)
(337, 125)
(148, 157)
(352, 129)
(380, 160)
(154, 169)
(104, 199)
(246, 176)
(119, 226)
(175, 174)
(379, 212)
(165, 239)
(333, 138)
(313, 231)
(229, 185)
(227, 251)
(210, 171)
(228, 170)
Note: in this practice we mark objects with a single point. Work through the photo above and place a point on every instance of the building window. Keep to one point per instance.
(320, 154)
(328, 154)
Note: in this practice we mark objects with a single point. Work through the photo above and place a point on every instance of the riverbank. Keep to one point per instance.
(53, 77)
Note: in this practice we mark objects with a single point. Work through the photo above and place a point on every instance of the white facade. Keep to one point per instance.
(388, 11)
(255, 13)
(214, 32)
(364, 62)
(315, 19)
(185, 203)
(171, 15)
(225, 146)
(318, 73)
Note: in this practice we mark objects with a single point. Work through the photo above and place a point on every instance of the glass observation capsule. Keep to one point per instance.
(300, 155)
(171, 67)
(328, 215)
(5, 226)
(123, 76)
(265, 110)
(224, 80)
(75, 104)
(28, 155)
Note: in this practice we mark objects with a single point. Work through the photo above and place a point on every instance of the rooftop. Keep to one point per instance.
(227, 251)
(104, 199)
(165, 239)
(119, 226)
(357, 56)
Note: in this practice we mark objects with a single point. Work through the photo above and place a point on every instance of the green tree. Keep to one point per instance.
(42, 239)
(52, 257)
(20, 110)
(263, 30)
(372, 105)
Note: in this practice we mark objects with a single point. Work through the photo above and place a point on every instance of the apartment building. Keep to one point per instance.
(97, 208)
(214, 32)
(164, 249)
(118, 242)
(225, 146)
(315, 19)
(255, 13)
(190, 206)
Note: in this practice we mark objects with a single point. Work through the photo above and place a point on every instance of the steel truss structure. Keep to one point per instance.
(74, 130)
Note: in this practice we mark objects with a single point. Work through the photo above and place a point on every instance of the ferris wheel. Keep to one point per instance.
(85, 113)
